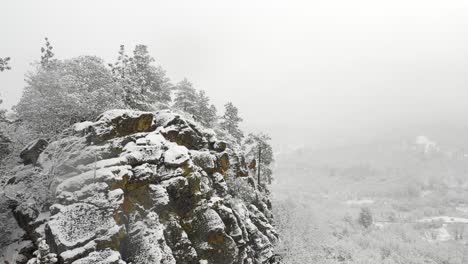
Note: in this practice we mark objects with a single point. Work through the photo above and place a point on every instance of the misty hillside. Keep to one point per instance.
(419, 160)
(415, 191)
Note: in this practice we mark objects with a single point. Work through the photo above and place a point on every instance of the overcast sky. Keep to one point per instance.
(307, 72)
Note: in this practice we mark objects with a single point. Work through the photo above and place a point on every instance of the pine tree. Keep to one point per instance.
(151, 81)
(2, 112)
(230, 121)
(262, 152)
(46, 54)
(205, 113)
(4, 64)
(186, 97)
(4, 140)
(144, 85)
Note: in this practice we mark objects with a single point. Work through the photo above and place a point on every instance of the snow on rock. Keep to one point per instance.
(83, 126)
(147, 242)
(77, 224)
(117, 123)
(136, 187)
(106, 256)
(176, 155)
(204, 159)
(77, 253)
(152, 138)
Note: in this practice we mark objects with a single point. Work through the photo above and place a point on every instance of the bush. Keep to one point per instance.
(239, 187)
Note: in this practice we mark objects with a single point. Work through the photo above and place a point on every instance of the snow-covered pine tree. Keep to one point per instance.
(260, 150)
(152, 84)
(205, 113)
(230, 121)
(4, 140)
(120, 70)
(144, 85)
(46, 54)
(2, 111)
(4, 64)
(186, 97)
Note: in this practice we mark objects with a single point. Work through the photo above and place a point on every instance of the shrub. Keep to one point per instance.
(240, 188)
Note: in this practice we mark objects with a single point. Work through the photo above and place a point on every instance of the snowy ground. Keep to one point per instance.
(360, 202)
(444, 219)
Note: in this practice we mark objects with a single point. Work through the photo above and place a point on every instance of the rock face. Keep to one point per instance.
(137, 187)
(31, 152)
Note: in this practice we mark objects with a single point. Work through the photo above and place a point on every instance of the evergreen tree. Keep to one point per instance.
(186, 97)
(4, 64)
(205, 113)
(46, 54)
(144, 85)
(260, 150)
(4, 140)
(2, 112)
(119, 71)
(230, 121)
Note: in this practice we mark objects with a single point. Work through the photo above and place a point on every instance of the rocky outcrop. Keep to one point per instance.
(138, 187)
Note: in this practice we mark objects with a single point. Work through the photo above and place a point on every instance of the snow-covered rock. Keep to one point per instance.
(31, 152)
(137, 187)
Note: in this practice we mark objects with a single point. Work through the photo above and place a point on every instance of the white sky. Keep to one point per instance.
(307, 72)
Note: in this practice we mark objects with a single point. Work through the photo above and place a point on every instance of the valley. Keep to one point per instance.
(416, 193)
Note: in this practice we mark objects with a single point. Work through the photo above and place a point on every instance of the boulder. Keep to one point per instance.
(204, 159)
(184, 133)
(31, 152)
(119, 123)
(77, 224)
(219, 146)
(223, 161)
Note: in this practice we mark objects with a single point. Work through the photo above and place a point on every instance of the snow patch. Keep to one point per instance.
(176, 155)
(444, 219)
(360, 202)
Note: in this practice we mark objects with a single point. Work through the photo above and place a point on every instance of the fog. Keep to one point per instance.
(309, 73)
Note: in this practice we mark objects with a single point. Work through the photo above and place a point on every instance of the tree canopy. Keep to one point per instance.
(66, 92)
(144, 85)
(260, 150)
(230, 121)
